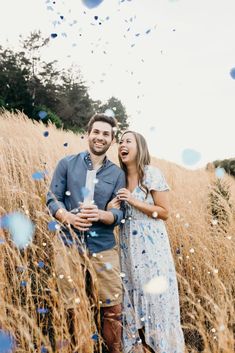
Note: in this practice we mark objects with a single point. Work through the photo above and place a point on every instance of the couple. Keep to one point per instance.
(144, 320)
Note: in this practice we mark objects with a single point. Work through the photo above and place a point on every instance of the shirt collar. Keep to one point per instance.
(87, 158)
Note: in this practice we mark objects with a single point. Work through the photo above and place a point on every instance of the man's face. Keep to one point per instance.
(100, 138)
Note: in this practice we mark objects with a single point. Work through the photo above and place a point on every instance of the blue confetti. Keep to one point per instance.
(46, 133)
(23, 283)
(61, 17)
(93, 234)
(232, 73)
(92, 3)
(134, 232)
(85, 192)
(42, 310)
(190, 156)
(20, 227)
(108, 301)
(66, 144)
(41, 264)
(42, 114)
(53, 226)
(148, 31)
(95, 337)
(7, 342)
(219, 172)
(38, 175)
(151, 239)
(54, 35)
(44, 349)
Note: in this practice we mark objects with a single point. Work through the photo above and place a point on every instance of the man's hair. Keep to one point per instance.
(104, 118)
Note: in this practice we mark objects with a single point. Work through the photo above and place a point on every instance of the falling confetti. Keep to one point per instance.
(95, 337)
(38, 175)
(90, 4)
(46, 133)
(190, 156)
(156, 285)
(219, 172)
(20, 227)
(42, 114)
(7, 342)
(110, 113)
(41, 264)
(53, 226)
(42, 310)
(232, 73)
(108, 266)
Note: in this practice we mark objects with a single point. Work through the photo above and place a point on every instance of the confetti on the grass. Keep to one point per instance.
(190, 156)
(156, 285)
(42, 114)
(20, 227)
(92, 3)
(7, 342)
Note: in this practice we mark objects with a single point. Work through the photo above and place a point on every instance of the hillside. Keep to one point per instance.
(201, 229)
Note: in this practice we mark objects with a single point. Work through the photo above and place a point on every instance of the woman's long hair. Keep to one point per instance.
(142, 158)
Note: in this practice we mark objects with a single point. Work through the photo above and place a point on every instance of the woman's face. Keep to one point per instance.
(127, 149)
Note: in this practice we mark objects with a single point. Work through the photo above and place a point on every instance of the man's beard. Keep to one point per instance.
(100, 152)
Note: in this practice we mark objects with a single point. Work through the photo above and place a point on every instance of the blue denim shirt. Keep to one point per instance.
(70, 175)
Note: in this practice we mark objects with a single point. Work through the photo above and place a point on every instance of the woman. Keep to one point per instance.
(151, 322)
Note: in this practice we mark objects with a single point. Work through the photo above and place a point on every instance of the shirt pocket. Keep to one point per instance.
(104, 190)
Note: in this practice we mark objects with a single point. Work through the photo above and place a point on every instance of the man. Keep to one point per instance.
(92, 223)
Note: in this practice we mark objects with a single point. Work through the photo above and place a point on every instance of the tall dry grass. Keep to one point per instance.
(201, 230)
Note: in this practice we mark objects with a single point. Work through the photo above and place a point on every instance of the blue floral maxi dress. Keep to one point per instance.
(146, 254)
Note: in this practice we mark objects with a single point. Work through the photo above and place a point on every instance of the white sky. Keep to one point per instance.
(175, 81)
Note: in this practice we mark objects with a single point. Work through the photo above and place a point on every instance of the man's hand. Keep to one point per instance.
(90, 212)
(79, 221)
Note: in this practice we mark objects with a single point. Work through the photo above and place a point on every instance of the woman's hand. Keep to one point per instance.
(114, 203)
(124, 195)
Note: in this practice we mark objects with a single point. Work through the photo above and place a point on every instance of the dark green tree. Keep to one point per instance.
(119, 110)
(14, 90)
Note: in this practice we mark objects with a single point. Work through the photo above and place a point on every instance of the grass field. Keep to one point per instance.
(201, 229)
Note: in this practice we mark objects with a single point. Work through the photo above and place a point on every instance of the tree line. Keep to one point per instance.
(41, 91)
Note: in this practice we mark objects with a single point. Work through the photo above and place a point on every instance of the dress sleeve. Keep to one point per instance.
(155, 179)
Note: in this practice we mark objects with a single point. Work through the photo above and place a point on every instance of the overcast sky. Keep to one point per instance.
(168, 61)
